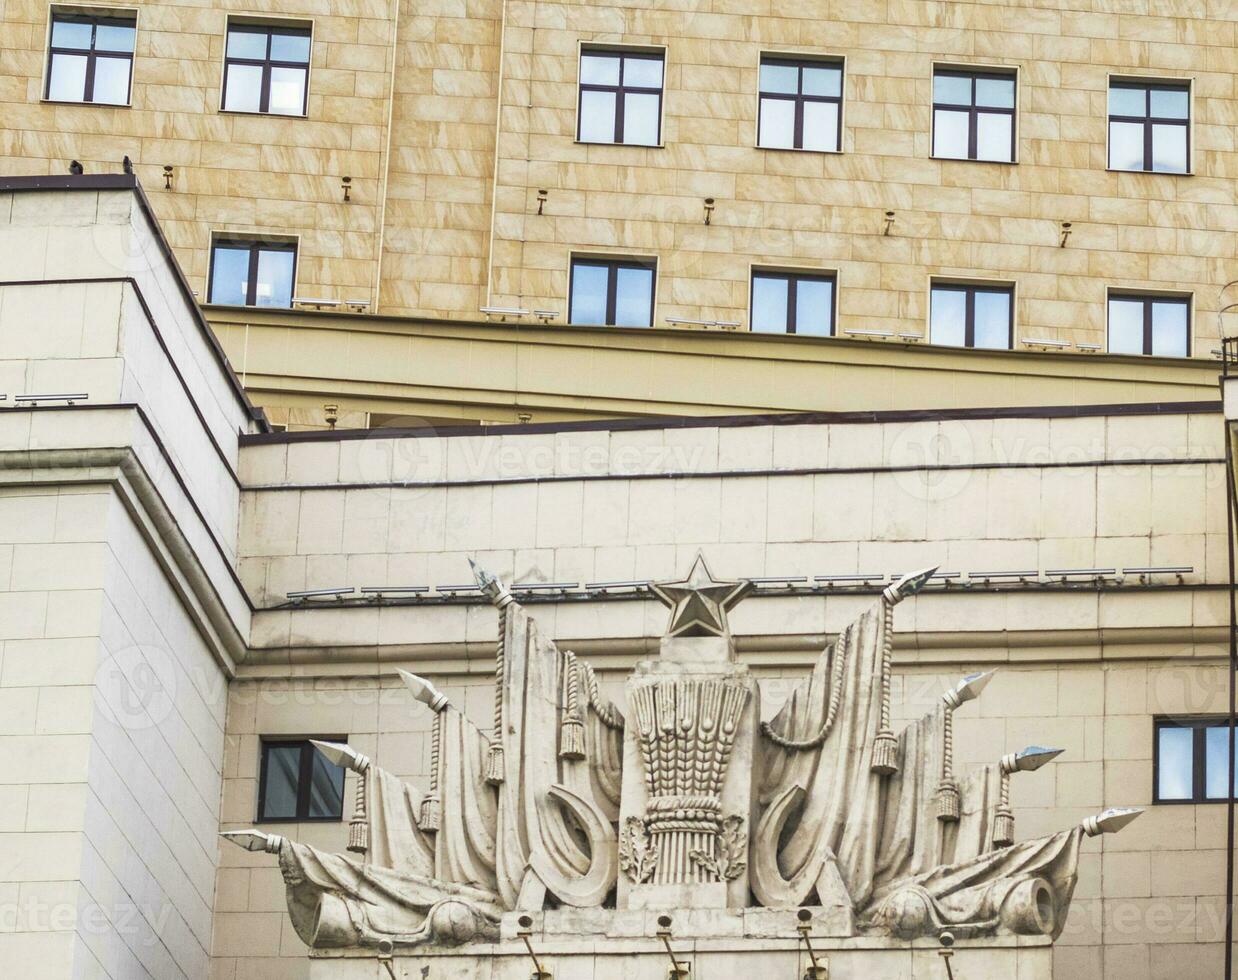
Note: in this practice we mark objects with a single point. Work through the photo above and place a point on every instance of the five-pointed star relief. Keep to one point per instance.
(699, 603)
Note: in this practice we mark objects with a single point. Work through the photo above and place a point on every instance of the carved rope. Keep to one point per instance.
(607, 714)
(836, 692)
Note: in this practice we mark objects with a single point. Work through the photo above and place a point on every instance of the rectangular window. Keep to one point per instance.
(615, 293)
(90, 58)
(297, 782)
(620, 97)
(266, 69)
(965, 315)
(792, 302)
(252, 273)
(1191, 760)
(1159, 325)
(973, 115)
(800, 104)
(1150, 126)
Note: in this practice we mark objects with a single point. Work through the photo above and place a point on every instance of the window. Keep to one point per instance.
(90, 59)
(1189, 759)
(297, 782)
(973, 115)
(617, 293)
(801, 102)
(1149, 126)
(964, 315)
(620, 97)
(1159, 325)
(252, 273)
(266, 69)
(792, 302)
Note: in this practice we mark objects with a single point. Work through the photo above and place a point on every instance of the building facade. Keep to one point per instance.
(1045, 178)
(163, 663)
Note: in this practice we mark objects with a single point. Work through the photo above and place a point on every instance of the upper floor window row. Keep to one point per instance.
(90, 60)
(976, 314)
(800, 107)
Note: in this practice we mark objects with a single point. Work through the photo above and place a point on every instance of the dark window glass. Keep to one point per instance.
(249, 273)
(1191, 760)
(800, 104)
(1149, 127)
(789, 302)
(90, 59)
(620, 97)
(616, 293)
(266, 69)
(973, 115)
(963, 315)
(297, 782)
(1157, 325)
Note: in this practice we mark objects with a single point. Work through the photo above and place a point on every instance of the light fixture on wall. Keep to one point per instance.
(709, 210)
(679, 970)
(889, 223)
(346, 184)
(386, 950)
(167, 176)
(331, 413)
(33, 400)
(1065, 234)
(525, 932)
(820, 969)
(543, 196)
(947, 940)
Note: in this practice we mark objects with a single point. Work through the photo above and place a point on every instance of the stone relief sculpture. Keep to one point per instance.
(685, 799)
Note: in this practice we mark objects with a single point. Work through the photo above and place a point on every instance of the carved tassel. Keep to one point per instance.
(885, 745)
(1003, 819)
(948, 807)
(572, 730)
(495, 765)
(431, 807)
(359, 826)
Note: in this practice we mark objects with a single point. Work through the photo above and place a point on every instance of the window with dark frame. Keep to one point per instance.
(973, 115)
(1156, 325)
(970, 315)
(1190, 759)
(792, 302)
(800, 104)
(90, 58)
(266, 69)
(297, 782)
(611, 292)
(620, 97)
(1150, 126)
(245, 272)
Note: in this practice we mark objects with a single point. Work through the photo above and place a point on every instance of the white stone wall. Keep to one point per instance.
(1085, 670)
(119, 612)
(111, 729)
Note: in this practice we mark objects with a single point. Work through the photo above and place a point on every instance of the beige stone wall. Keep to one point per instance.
(826, 210)
(234, 172)
(449, 244)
